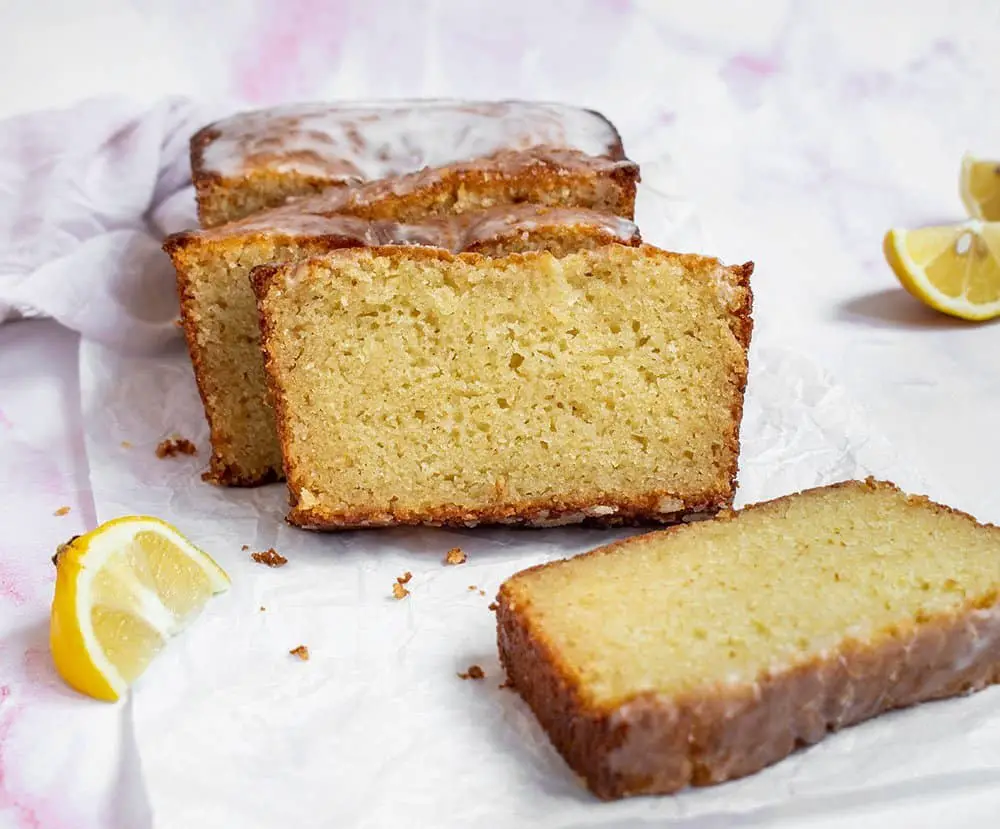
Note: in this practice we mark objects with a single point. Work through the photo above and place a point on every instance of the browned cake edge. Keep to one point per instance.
(654, 744)
(591, 508)
(608, 188)
(604, 187)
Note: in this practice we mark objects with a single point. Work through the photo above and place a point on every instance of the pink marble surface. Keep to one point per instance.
(800, 130)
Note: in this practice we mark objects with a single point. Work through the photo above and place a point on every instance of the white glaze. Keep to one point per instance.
(364, 141)
(306, 217)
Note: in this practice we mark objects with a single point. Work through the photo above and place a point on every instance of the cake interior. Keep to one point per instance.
(719, 602)
(414, 382)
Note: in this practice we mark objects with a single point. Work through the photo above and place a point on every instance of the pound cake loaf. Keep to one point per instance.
(413, 386)
(219, 314)
(706, 652)
(255, 160)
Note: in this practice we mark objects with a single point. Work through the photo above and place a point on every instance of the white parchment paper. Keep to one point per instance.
(376, 729)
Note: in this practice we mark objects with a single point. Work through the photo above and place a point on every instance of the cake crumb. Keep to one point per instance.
(494, 607)
(474, 672)
(398, 591)
(62, 511)
(302, 652)
(126, 444)
(403, 579)
(262, 608)
(172, 447)
(455, 556)
(270, 557)
(482, 592)
(245, 547)
(472, 587)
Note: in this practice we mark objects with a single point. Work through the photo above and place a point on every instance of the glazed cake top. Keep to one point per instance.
(364, 141)
(305, 217)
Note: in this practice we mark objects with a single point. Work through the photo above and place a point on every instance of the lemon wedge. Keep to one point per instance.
(979, 186)
(953, 268)
(122, 591)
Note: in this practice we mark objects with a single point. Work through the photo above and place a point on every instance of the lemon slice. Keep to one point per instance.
(954, 268)
(122, 591)
(980, 188)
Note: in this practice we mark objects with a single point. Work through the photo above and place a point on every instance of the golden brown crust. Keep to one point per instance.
(653, 744)
(540, 176)
(597, 510)
(214, 194)
(260, 158)
(589, 508)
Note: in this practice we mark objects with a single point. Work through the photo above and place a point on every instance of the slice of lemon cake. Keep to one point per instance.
(707, 652)
(220, 318)
(415, 386)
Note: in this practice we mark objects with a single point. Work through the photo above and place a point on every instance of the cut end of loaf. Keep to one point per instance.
(596, 386)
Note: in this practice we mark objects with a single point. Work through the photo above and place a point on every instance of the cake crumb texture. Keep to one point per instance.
(414, 386)
(301, 651)
(474, 672)
(708, 651)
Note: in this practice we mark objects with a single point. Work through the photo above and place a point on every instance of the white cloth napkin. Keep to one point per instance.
(86, 196)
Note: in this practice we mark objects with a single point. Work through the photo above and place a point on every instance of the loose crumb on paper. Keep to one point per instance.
(455, 556)
(474, 672)
(171, 447)
(62, 511)
(270, 557)
(245, 547)
(302, 652)
(403, 579)
(473, 588)
(262, 608)
(126, 444)
(494, 607)
(398, 591)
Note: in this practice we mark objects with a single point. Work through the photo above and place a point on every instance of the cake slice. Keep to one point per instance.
(255, 160)
(413, 386)
(220, 317)
(707, 652)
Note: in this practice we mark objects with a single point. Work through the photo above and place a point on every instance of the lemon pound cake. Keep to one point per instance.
(219, 314)
(706, 652)
(255, 160)
(412, 386)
